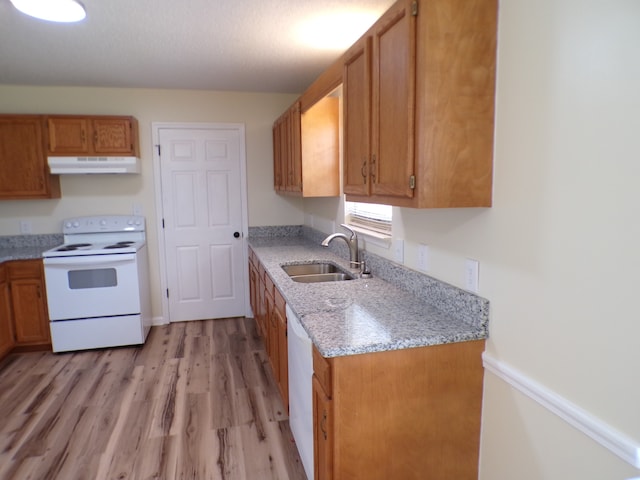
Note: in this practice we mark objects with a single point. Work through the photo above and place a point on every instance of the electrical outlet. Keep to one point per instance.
(398, 250)
(26, 227)
(423, 257)
(471, 275)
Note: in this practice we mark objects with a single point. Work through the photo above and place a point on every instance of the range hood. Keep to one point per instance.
(93, 165)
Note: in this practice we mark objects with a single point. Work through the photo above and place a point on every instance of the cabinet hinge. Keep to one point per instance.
(412, 182)
(414, 8)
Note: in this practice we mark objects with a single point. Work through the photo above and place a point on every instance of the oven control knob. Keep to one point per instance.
(129, 222)
(67, 225)
(76, 224)
(103, 222)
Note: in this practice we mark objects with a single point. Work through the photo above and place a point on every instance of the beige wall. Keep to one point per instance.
(559, 250)
(104, 194)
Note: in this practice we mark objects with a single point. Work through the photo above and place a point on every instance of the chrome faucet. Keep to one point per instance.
(352, 241)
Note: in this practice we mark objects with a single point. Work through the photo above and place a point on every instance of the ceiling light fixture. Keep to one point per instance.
(52, 10)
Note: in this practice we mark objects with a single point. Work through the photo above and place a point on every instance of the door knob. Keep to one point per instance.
(236, 234)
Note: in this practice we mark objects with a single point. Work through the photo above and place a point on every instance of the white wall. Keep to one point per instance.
(559, 250)
(104, 194)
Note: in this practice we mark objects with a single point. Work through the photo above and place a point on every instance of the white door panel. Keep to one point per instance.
(203, 209)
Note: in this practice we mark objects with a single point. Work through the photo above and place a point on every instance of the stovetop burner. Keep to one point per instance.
(119, 245)
(73, 246)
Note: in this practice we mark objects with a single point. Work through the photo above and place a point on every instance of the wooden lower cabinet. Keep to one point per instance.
(268, 306)
(29, 304)
(7, 338)
(409, 414)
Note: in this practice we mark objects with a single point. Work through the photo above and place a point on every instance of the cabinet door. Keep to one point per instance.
(30, 317)
(113, 136)
(393, 87)
(23, 164)
(6, 325)
(272, 341)
(283, 357)
(253, 290)
(278, 179)
(261, 308)
(294, 158)
(357, 117)
(69, 135)
(322, 433)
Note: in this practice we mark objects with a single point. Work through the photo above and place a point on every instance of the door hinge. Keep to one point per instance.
(158, 147)
(167, 293)
(412, 181)
(414, 8)
(163, 223)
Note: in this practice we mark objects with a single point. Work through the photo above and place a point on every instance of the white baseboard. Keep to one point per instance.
(617, 442)
(158, 321)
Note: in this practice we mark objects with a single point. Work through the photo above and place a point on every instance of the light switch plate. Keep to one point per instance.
(471, 275)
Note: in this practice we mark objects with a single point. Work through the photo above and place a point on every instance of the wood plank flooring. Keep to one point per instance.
(197, 401)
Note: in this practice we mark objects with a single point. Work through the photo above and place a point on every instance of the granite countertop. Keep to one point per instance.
(360, 315)
(27, 247)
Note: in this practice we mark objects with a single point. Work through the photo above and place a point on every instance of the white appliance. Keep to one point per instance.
(300, 389)
(83, 165)
(97, 283)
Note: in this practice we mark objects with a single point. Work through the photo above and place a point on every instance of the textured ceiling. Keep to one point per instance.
(244, 45)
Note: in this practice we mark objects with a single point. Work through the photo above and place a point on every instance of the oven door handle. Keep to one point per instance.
(88, 260)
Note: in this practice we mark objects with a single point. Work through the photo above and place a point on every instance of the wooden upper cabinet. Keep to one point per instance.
(307, 150)
(393, 102)
(24, 172)
(307, 140)
(431, 120)
(379, 99)
(286, 152)
(94, 135)
(357, 118)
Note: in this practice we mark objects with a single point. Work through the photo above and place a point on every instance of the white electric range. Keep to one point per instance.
(97, 283)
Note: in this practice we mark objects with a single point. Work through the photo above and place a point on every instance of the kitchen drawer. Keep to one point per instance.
(25, 269)
(322, 371)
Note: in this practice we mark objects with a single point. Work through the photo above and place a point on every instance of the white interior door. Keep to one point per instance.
(202, 202)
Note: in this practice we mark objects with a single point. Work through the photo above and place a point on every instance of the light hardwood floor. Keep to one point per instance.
(197, 401)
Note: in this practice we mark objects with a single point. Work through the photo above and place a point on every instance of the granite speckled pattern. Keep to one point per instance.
(27, 247)
(369, 315)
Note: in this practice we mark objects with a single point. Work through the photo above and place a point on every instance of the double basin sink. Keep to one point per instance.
(316, 272)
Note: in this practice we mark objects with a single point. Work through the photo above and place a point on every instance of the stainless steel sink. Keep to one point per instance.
(321, 277)
(316, 272)
(309, 268)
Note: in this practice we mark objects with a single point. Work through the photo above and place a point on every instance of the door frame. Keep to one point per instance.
(157, 180)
